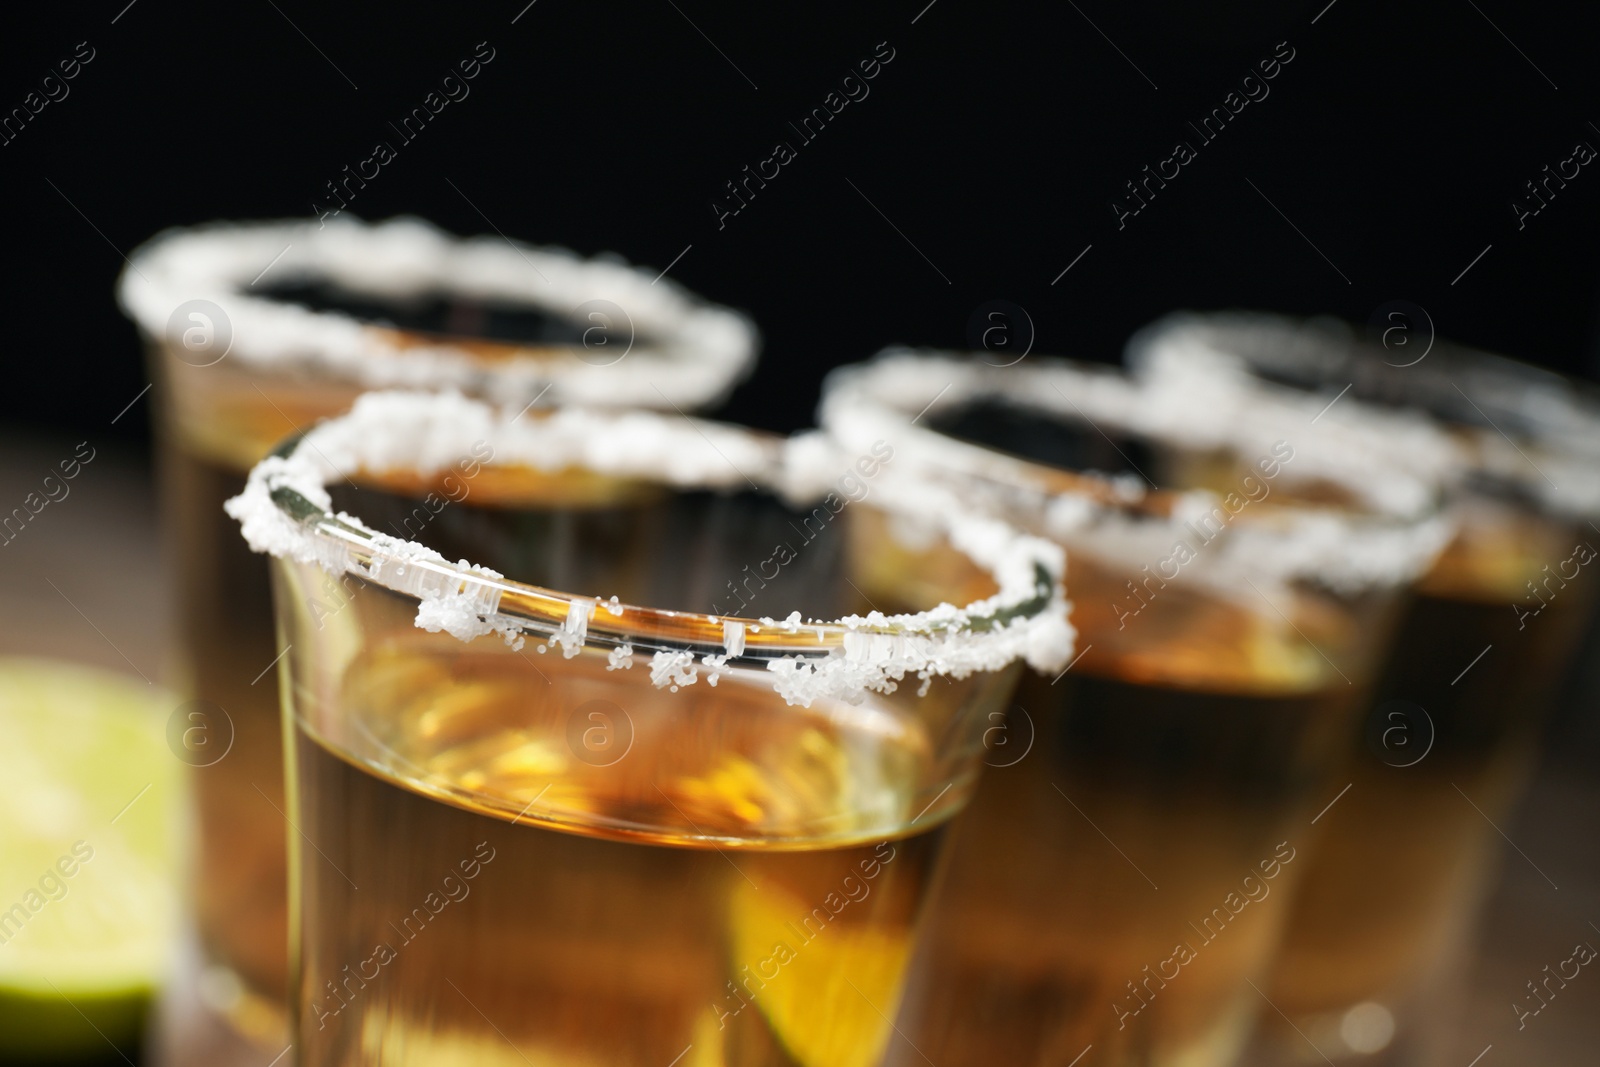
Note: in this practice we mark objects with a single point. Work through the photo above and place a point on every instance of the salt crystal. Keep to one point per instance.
(572, 634)
(676, 668)
(733, 638)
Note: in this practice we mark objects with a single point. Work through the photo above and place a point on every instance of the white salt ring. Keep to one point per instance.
(1530, 431)
(1390, 538)
(284, 511)
(679, 349)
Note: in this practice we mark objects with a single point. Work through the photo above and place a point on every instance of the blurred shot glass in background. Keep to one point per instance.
(1125, 870)
(1401, 866)
(542, 826)
(256, 331)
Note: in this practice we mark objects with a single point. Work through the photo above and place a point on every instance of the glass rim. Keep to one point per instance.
(285, 512)
(1346, 548)
(681, 349)
(1480, 402)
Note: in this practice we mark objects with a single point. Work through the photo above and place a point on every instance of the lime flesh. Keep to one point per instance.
(89, 806)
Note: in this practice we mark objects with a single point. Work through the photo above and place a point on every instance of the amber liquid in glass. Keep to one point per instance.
(1112, 887)
(1155, 795)
(225, 649)
(1400, 865)
(1127, 866)
(711, 878)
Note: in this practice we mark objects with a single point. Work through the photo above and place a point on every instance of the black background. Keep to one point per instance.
(994, 142)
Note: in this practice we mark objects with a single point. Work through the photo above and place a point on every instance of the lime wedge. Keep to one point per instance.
(89, 809)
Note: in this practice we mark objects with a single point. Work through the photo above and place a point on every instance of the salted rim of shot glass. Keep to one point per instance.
(1508, 427)
(658, 345)
(1388, 533)
(285, 511)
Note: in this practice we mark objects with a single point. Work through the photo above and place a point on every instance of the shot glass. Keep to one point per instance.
(1401, 866)
(255, 331)
(1123, 874)
(534, 826)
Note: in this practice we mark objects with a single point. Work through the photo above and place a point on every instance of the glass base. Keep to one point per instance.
(206, 1018)
(1369, 1034)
